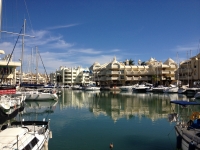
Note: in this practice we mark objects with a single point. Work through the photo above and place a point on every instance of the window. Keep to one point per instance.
(28, 147)
(34, 142)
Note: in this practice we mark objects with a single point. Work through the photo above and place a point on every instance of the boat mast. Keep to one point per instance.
(31, 65)
(178, 69)
(36, 65)
(22, 55)
(1, 2)
(188, 69)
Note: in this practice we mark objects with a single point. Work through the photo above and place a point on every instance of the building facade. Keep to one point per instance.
(8, 69)
(118, 73)
(72, 76)
(189, 71)
(32, 78)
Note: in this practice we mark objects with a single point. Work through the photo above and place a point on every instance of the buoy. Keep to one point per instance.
(111, 145)
(50, 134)
(191, 146)
(178, 142)
(45, 145)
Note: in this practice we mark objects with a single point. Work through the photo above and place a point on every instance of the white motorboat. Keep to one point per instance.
(75, 87)
(159, 89)
(126, 88)
(37, 95)
(183, 89)
(142, 87)
(171, 89)
(92, 88)
(21, 135)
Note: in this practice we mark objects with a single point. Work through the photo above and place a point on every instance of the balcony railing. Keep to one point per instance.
(112, 78)
(112, 72)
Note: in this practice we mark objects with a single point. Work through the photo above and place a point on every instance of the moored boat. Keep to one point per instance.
(21, 135)
(188, 133)
(171, 89)
(92, 88)
(37, 95)
(142, 87)
(127, 87)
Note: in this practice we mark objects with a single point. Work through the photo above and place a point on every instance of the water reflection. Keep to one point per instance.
(33, 109)
(118, 104)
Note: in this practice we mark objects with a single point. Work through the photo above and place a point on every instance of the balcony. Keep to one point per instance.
(128, 78)
(128, 72)
(185, 70)
(165, 71)
(112, 78)
(112, 72)
(114, 67)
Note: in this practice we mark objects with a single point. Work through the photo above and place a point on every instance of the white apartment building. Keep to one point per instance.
(8, 69)
(73, 76)
(32, 78)
(119, 73)
(189, 71)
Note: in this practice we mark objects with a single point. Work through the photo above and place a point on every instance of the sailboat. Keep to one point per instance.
(39, 94)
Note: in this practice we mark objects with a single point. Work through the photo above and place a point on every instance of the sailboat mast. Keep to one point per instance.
(22, 55)
(188, 69)
(36, 65)
(1, 3)
(31, 65)
(178, 69)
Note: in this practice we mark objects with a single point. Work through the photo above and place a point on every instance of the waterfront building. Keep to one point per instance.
(32, 78)
(189, 71)
(119, 73)
(8, 69)
(73, 76)
(52, 78)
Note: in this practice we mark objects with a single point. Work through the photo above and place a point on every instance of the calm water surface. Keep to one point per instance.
(92, 120)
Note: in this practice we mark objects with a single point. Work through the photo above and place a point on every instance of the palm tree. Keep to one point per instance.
(143, 63)
(131, 62)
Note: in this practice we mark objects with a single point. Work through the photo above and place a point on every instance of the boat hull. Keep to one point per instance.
(185, 138)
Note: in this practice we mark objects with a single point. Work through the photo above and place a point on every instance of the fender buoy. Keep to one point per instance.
(191, 146)
(178, 142)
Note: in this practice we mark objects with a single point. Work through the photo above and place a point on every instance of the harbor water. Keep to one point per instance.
(82, 120)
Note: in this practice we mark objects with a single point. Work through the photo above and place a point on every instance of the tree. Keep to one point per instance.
(143, 63)
(131, 62)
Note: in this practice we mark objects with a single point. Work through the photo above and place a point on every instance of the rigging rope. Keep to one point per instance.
(43, 66)
(28, 16)
(11, 54)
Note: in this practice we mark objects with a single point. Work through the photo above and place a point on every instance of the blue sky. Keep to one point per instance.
(75, 33)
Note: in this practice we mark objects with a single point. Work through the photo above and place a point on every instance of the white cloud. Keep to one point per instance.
(56, 52)
(64, 26)
(86, 51)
